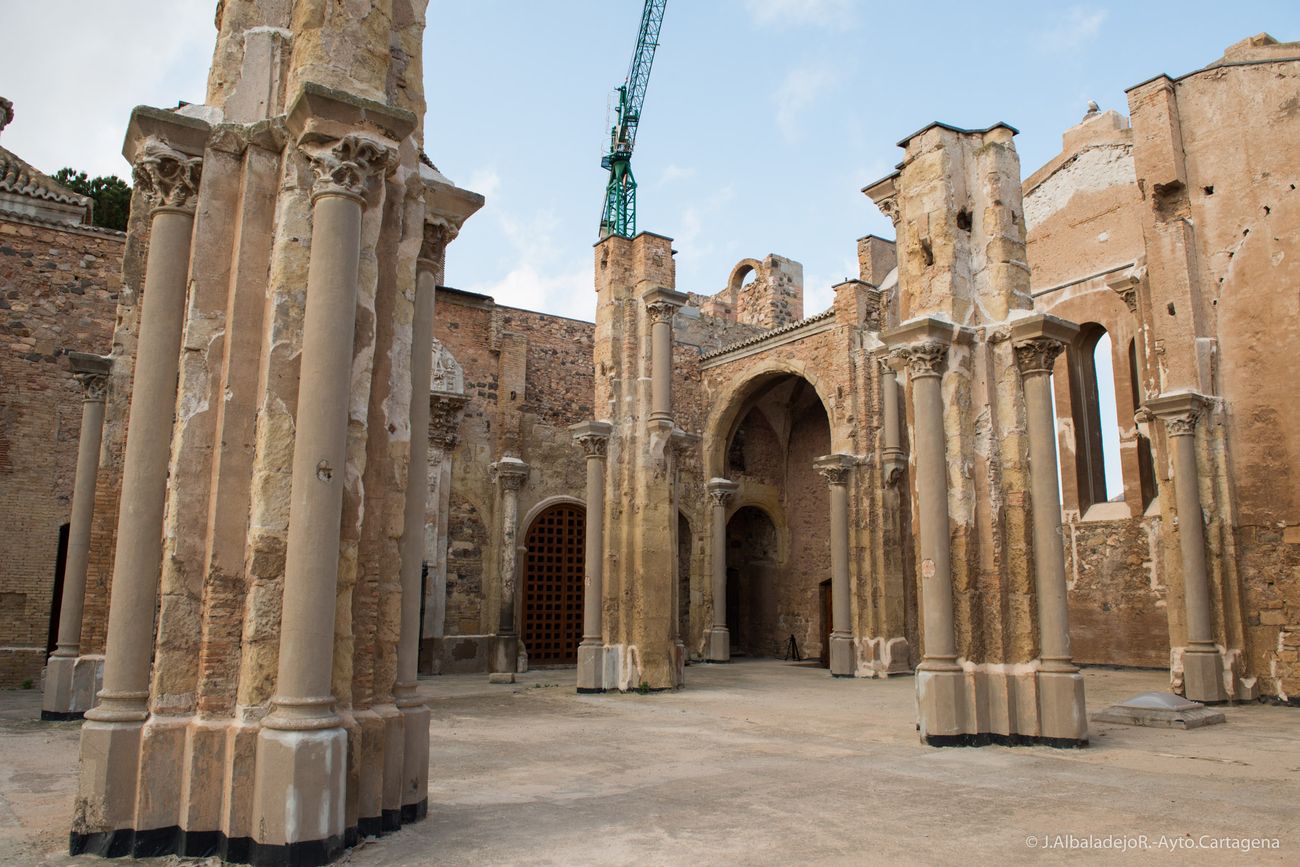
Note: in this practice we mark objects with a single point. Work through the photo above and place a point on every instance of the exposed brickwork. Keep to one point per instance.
(58, 293)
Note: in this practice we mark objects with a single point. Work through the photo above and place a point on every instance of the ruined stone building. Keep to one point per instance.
(307, 469)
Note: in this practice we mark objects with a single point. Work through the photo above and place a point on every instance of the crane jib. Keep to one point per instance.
(619, 216)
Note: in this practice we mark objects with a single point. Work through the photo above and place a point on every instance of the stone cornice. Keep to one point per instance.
(319, 113)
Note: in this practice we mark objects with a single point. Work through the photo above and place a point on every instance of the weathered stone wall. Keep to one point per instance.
(59, 289)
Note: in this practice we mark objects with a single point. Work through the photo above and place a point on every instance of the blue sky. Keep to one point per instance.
(764, 117)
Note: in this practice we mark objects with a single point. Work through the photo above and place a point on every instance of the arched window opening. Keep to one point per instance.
(1096, 423)
(1146, 463)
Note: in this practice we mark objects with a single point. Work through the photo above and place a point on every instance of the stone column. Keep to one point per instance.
(720, 493)
(1202, 661)
(415, 715)
(1062, 716)
(68, 696)
(892, 456)
(939, 680)
(302, 745)
(593, 437)
(836, 469)
(662, 305)
(511, 473)
(110, 739)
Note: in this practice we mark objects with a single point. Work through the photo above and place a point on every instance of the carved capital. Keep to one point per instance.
(168, 177)
(1182, 424)
(721, 491)
(438, 234)
(593, 445)
(95, 385)
(346, 167)
(889, 207)
(835, 469)
(923, 359)
(1038, 354)
(661, 311)
(511, 473)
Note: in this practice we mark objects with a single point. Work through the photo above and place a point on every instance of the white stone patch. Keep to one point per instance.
(1096, 168)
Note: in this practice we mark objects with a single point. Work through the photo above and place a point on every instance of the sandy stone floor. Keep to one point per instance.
(765, 762)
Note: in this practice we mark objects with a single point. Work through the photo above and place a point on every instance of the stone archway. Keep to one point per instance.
(552, 585)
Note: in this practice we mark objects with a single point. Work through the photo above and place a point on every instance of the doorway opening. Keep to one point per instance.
(553, 579)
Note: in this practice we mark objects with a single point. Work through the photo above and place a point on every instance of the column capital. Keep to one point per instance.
(835, 468)
(592, 437)
(721, 491)
(91, 371)
(438, 233)
(1126, 283)
(346, 166)
(922, 359)
(922, 344)
(511, 473)
(1180, 411)
(662, 303)
(167, 176)
(884, 193)
(1039, 339)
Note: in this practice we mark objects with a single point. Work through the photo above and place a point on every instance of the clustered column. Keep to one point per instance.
(836, 469)
(64, 697)
(302, 744)
(720, 493)
(1202, 661)
(1038, 342)
(511, 473)
(662, 305)
(593, 437)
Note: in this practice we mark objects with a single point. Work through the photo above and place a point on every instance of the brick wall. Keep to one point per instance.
(58, 293)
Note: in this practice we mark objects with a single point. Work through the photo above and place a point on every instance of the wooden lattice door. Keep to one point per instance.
(553, 568)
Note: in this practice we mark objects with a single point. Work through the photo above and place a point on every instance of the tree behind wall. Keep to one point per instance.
(111, 195)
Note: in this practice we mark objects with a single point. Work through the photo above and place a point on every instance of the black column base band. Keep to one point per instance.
(415, 812)
(990, 739)
(62, 715)
(158, 842)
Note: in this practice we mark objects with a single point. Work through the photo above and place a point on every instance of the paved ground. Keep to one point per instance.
(766, 763)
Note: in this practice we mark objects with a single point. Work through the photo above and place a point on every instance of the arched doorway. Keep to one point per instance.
(752, 573)
(553, 579)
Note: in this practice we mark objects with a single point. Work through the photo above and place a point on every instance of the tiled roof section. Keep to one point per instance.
(61, 225)
(768, 335)
(19, 177)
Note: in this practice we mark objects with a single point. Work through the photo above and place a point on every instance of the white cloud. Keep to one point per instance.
(76, 80)
(486, 182)
(1071, 30)
(820, 13)
(798, 90)
(543, 273)
(817, 292)
(673, 173)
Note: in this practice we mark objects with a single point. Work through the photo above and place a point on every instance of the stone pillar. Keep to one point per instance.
(415, 715)
(593, 437)
(110, 739)
(69, 690)
(836, 469)
(302, 745)
(1062, 714)
(662, 305)
(939, 680)
(1202, 660)
(720, 493)
(892, 452)
(511, 473)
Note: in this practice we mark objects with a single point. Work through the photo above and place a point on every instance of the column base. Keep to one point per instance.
(505, 654)
(1203, 676)
(109, 776)
(940, 703)
(591, 667)
(1062, 714)
(415, 763)
(842, 656)
(719, 644)
(298, 794)
(70, 686)
(394, 764)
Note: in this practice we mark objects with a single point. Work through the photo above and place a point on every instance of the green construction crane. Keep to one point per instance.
(619, 217)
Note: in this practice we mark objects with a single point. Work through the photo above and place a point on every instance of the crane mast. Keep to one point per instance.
(619, 216)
